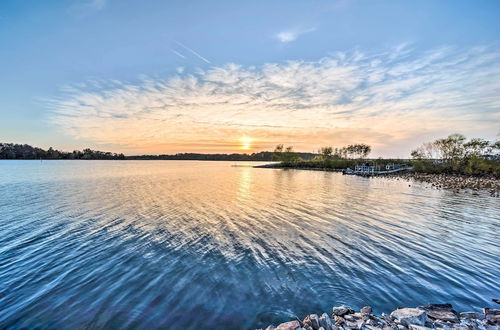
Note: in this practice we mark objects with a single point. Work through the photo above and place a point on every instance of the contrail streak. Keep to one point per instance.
(193, 52)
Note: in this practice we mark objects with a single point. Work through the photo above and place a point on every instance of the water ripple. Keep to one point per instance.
(185, 245)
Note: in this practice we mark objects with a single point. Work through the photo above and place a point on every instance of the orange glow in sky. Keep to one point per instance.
(390, 101)
(246, 143)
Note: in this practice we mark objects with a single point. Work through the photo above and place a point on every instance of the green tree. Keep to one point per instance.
(326, 153)
(289, 156)
(278, 153)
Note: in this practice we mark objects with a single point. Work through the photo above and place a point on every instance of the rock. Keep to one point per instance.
(471, 323)
(292, 325)
(384, 317)
(496, 300)
(390, 327)
(351, 324)
(469, 315)
(366, 310)
(339, 320)
(312, 320)
(407, 316)
(374, 321)
(351, 317)
(443, 312)
(371, 327)
(442, 325)
(271, 327)
(492, 316)
(342, 310)
(459, 327)
(417, 327)
(325, 322)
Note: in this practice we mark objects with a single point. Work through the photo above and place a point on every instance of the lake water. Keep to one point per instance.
(204, 245)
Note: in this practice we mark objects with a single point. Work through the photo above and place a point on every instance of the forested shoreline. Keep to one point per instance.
(454, 154)
(25, 151)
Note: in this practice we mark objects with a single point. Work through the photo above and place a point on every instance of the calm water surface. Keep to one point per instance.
(185, 245)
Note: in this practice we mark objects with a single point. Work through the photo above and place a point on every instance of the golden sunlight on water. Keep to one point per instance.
(245, 183)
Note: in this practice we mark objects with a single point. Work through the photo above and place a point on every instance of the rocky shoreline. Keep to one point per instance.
(434, 316)
(453, 182)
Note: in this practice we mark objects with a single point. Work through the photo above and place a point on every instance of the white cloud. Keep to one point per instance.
(389, 102)
(290, 35)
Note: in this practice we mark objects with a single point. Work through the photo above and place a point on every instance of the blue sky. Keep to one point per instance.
(170, 76)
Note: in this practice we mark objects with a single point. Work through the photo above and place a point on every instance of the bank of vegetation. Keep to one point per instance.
(25, 151)
(263, 156)
(454, 154)
(329, 158)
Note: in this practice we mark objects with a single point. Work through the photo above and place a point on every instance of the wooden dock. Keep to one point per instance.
(373, 170)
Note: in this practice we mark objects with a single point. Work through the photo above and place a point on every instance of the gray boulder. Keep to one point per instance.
(469, 316)
(312, 320)
(371, 327)
(292, 325)
(492, 316)
(366, 310)
(325, 321)
(417, 327)
(441, 312)
(407, 316)
(342, 310)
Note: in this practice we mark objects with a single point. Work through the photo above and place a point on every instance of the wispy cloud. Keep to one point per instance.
(177, 53)
(390, 102)
(192, 52)
(290, 35)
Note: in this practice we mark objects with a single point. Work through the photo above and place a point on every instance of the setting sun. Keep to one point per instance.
(246, 143)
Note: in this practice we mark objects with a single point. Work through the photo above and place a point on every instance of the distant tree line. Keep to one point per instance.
(25, 151)
(352, 151)
(457, 155)
(258, 156)
(326, 156)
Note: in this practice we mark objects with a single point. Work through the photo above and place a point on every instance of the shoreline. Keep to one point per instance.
(433, 316)
(278, 166)
(453, 182)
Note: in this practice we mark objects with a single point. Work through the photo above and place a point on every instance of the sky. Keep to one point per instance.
(153, 77)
